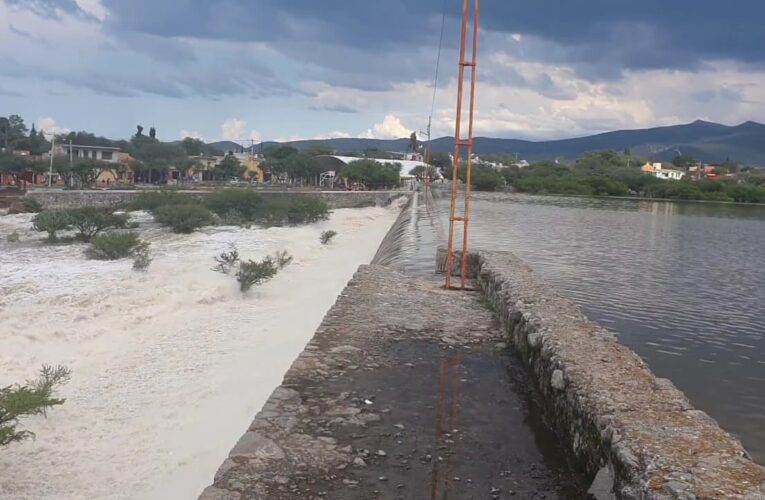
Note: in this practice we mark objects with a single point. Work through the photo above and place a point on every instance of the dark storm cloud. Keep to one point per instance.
(372, 45)
(623, 33)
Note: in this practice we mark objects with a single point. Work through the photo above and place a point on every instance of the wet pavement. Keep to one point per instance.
(406, 392)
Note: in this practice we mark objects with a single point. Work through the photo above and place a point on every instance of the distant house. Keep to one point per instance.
(658, 171)
(99, 153)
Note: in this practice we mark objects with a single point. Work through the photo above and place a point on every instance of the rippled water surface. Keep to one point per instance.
(683, 284)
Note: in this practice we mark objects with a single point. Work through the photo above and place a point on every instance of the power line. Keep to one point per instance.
(438, 58)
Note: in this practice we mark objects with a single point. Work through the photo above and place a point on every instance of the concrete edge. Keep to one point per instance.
(635, 434)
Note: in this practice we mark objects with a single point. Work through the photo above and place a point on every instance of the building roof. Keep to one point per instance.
(406, 164)
(82, 146)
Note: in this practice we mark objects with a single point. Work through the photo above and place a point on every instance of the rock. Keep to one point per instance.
(381, 453)
(359, 462)
(557, 380)
(399, 427)
(344, 349)
(255, 445)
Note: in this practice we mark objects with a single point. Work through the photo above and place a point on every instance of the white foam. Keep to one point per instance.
(170, 366)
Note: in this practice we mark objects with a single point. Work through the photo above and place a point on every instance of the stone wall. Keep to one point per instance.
(108, 198)
(636, 434)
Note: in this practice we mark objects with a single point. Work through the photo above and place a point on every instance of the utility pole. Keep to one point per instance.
(50, 167)
(459, 142)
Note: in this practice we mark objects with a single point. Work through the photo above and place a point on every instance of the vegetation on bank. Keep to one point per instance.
(87, 221)
(185, 213)
(608, 173)
(35, 397)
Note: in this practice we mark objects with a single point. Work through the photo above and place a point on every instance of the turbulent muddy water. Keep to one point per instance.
(683, 284)
(169, 366)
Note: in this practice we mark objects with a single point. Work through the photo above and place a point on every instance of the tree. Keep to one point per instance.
(372, 174)
(193, 147)
(153, 133)
(12, 131)
(157, 157)
(229, 167)
(684, 161)
(280, 152)
(34, 397)
(139, 131)
(413, 145)
(52, 221)
(89, 221)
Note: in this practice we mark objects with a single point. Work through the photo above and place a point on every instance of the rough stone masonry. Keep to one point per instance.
(357, 416)
(636, 433)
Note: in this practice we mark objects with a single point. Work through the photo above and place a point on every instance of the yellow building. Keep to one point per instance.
(251, 164)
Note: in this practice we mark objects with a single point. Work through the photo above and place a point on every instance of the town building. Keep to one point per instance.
(98, 153)
(658, 171)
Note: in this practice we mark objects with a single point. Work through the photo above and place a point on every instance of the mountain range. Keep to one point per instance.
(705, 141)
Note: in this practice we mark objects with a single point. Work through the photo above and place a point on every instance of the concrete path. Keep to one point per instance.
(405, 392)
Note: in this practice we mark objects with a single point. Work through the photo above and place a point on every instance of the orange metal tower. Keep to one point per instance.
(459, 142)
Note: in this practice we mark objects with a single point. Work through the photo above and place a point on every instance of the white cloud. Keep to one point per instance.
(191, 133)
(391, 128)
(233, 129)
(48, 126)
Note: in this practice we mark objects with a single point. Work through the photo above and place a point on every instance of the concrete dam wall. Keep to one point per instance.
(635, 433)
(54, 199)
(330, 431)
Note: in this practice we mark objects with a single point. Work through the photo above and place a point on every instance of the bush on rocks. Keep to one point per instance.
(242, 203)
(252, 273)
(52, 221)
(184, 218)
(327, 236)
(152, 200)
(115, 246)
(89, 221)
(307, 210)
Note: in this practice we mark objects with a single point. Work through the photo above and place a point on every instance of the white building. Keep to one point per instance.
(657, 170)
(100, 153)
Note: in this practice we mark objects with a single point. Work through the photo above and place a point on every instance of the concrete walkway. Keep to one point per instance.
(406, 391)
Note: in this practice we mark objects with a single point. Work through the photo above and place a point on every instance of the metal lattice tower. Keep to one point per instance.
(467, 143)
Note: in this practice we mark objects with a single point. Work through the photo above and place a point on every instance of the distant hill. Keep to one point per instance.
(709, 142)
(226, 146)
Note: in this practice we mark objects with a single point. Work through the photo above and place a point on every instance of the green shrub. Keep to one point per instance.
(307, 210)
(31, 205)
(486, 181)
(327, 236)
(240, 202)
(114, 246)
(152, 200)
(34, 397)
(52, 221)
(226, 261)
(183, 218)
(89, 221)
(252, 273)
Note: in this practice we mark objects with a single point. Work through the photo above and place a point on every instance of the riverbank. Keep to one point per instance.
(156, 357)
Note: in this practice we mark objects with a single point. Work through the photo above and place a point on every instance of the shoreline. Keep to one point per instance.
(635, 198)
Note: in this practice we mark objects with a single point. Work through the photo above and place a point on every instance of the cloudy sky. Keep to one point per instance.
(281, 69)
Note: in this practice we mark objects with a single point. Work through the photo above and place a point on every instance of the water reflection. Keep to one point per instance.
(681, 283)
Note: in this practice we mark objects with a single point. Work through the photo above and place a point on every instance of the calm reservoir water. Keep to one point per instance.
(683, 284)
